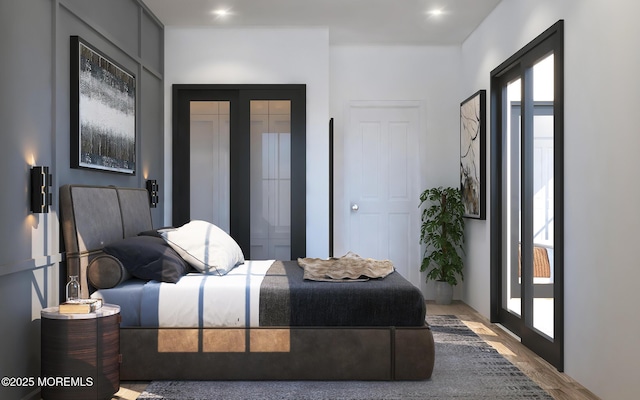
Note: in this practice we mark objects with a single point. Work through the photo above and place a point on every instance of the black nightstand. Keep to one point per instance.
(80, 354)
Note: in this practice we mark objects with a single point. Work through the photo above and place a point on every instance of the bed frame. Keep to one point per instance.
(94, 216)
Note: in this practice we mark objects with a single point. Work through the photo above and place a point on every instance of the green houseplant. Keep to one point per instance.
(442, 232)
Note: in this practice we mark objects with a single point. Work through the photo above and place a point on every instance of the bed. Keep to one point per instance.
(259, 320)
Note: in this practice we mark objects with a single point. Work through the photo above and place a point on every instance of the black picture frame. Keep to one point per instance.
(103, 111)
(472, 154)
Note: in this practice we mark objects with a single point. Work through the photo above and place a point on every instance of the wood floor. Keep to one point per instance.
(557, 384)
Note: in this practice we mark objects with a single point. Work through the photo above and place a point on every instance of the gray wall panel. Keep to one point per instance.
(68, 25)
(152, 43)
(25, 136)
(119, 19)
(35, 115)
(25, 112)
(152, 138)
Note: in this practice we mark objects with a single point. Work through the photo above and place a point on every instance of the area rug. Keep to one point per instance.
(466, 367)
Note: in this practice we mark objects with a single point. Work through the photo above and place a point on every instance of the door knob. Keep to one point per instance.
(354, 207)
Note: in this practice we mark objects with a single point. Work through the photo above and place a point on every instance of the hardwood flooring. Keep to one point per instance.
(557, 384)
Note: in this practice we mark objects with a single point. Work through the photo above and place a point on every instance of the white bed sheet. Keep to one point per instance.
(207, 300)
(196, 300)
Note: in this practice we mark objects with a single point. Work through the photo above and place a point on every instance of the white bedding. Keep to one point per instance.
(231, 300)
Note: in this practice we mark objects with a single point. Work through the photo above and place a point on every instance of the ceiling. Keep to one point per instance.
(350, 22)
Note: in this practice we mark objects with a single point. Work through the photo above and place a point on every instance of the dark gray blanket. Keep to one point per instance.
(286, 299)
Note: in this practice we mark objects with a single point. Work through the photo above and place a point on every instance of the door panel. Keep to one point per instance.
(209, 161)
(270, 179)
(512, 298)
(381, 171)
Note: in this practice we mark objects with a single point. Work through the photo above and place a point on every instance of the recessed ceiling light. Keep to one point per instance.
(436, 12)
(222, 12)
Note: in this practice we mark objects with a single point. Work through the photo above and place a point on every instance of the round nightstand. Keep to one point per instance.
(80, 354)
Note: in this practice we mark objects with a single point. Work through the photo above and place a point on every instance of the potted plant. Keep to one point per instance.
(442, 232)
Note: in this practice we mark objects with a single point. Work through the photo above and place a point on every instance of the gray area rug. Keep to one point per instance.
(466, 368)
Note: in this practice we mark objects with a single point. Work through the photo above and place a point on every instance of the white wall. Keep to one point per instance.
(378, 73)
(261, 56)
(600, 160)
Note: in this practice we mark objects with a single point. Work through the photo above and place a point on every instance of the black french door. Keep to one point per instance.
(280, 149)
(527, 231)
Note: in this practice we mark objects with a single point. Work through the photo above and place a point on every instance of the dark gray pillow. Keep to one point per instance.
(148, 257)
(105, 272)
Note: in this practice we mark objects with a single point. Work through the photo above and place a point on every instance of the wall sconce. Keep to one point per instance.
(41, 198)
(152, 188)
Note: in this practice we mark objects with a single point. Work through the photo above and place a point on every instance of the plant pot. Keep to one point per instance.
(444, 292)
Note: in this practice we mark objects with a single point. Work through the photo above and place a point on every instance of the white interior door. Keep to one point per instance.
(381, 183)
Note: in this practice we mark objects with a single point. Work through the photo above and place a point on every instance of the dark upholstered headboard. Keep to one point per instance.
(93, 216)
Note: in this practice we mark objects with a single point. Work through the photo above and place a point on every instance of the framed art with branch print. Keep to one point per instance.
(103, 111)
(472, 154)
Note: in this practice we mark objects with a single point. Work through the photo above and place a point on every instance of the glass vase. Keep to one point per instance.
(73, 288)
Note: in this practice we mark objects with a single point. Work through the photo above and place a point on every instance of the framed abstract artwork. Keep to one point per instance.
(103, 111)
(472, 154)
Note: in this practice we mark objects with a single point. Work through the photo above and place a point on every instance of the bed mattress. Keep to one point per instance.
(267, 293)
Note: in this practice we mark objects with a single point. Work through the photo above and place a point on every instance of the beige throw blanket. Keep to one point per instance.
(348, 268)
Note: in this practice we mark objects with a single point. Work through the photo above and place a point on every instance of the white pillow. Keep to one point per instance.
(205, 247)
